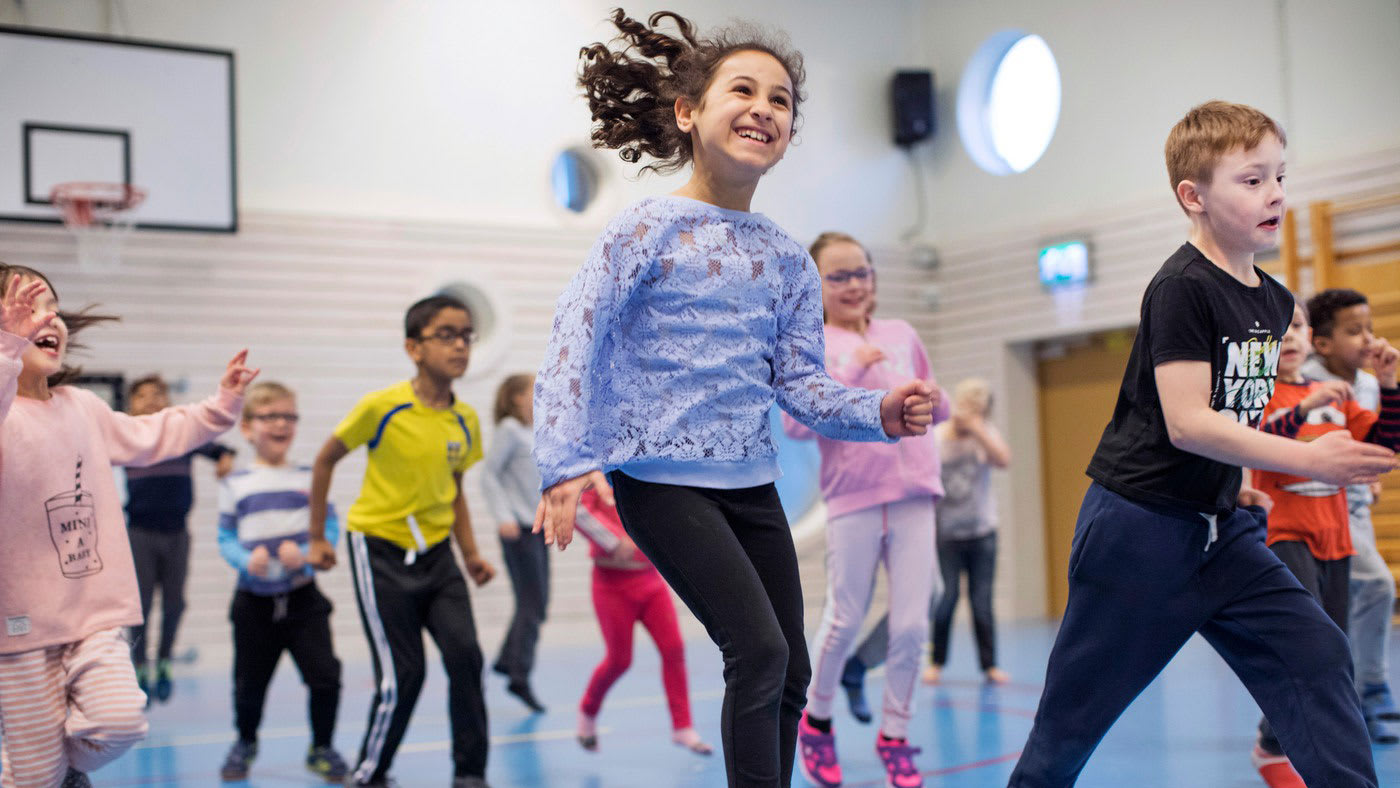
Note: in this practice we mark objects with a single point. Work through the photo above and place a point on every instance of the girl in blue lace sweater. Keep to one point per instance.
(691, 316)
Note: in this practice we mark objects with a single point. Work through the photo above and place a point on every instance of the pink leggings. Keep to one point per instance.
(621, 598)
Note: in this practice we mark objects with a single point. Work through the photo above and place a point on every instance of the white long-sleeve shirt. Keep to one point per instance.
(511, 480)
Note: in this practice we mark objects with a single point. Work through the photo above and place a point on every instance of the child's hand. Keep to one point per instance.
(237, 376)
(626, 550)
(290, 555)
(479, 570)
(17, 315)
(510, 530)
(1251, 497)
(1375, 491)
(223, 466)
(559, 505)
(1326, 393)
(1340, 460)
(320, 553)
(935, 397)
(1387, 358)
(907, 410)
(869, 354)
(258, 561)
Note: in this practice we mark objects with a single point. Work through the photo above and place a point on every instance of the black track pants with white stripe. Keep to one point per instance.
(398, 600)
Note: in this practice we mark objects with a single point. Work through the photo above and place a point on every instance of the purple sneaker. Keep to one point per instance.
(898, 758)
(817, 753)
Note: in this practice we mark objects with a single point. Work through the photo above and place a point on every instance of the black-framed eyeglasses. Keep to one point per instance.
(290, 418)
(448, 336)
(861, 275)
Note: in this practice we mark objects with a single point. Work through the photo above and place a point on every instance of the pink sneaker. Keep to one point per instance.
(898, 758)
(817, 753)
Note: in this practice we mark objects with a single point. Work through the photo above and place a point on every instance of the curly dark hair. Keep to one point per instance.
(1323, 307)
(632, 87)
(75, 321)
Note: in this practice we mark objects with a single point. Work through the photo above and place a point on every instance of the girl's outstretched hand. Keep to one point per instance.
(17, 315)
(907, 409)
(237, 376)
(559, 506)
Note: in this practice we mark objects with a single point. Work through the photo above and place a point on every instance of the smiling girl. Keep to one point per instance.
(69, 701)
(691, 316)
(880, 501)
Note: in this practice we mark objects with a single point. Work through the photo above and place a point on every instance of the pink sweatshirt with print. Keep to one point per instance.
(857, 476)
(65, 561)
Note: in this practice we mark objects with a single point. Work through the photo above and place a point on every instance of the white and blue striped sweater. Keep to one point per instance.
(264, 506)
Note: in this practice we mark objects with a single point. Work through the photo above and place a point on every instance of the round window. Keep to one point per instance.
(1009, 102)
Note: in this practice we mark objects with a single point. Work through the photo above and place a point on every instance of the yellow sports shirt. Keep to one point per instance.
(407, 494)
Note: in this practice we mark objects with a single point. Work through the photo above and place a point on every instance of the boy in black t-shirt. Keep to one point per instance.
(1168, 543)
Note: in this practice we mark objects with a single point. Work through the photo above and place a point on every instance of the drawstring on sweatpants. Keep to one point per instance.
(1211, 520)
(279, 607)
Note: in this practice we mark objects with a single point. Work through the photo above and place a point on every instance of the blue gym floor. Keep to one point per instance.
(1192, 727)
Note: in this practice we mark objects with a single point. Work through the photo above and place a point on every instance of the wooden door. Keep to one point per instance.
(1078, 386)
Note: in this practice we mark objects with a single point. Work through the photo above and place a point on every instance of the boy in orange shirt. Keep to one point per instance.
(1308, 525)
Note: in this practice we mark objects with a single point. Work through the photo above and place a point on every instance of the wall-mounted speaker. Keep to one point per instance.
(912, 94)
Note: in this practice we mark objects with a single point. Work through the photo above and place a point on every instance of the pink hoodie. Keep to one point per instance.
(860, 475)
(65, 561)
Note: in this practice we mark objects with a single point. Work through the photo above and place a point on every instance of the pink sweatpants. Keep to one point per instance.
(901, 536)
(73, 705)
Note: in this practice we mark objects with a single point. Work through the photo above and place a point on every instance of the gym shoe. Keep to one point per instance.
(1276, 770)
(75, 779)
(817, 755)
(522, 691)
(898, 758)
(469, 781)
(1380, 732)
(240, 757)
(164, 686)
(326, 762)
(382, 782)
(1376, 701)
(143, 680)
(853, 681)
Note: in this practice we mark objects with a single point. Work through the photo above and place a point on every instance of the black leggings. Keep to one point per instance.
(730, 557)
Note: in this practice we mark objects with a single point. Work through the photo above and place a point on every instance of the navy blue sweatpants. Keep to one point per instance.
(1141, 582)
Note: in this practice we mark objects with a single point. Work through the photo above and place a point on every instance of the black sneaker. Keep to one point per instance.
(382, 782)
(75, 779)
(522, 691)
(240, 757)
(469, 781)
(326, 762)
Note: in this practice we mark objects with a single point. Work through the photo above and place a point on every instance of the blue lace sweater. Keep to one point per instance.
(671, 344)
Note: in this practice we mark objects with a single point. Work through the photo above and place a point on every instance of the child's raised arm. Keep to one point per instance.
(21, 324)
(146, 440)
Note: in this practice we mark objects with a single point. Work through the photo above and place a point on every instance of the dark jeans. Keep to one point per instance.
(1330, 584)
(1142, 581)
(730, 557)
(977, 558)
(162, 559)
(527, 561)
(298, 622)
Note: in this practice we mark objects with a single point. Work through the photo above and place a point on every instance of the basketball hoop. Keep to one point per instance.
(100, 215)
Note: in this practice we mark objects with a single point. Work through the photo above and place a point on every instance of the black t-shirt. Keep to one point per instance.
(1192, 311)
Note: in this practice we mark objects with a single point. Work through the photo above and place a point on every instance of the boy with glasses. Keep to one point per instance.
(420, 441)
(277, 607)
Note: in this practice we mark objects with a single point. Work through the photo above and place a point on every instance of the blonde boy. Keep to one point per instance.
(1168, 543)
(277, 607)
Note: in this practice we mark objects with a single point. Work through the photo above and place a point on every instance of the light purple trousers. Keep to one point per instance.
(901, 536)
